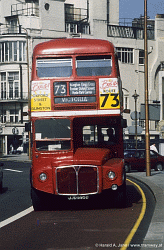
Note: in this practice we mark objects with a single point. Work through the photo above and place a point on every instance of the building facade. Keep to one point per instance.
(23, 24)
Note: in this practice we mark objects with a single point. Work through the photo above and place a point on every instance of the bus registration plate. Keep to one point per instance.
(81, 197)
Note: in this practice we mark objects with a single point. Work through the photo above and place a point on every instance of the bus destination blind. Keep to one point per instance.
(75, 92)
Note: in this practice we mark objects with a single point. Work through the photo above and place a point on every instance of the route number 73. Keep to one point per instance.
(109, 100)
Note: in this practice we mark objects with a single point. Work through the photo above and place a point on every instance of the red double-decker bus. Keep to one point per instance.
(77, 124)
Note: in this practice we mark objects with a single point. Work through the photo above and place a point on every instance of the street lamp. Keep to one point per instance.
(135, 96)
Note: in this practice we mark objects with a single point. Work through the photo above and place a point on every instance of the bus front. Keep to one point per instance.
(77, 142)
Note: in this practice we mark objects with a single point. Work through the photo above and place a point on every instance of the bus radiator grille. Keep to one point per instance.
(77, 180)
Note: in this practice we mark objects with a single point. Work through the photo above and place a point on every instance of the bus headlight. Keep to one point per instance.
(43, 177)
(114, 187)
(111, 175)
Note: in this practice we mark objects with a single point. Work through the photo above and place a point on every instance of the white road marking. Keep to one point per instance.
(13, 170)
(16, 217)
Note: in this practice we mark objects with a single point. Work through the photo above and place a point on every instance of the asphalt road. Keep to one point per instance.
(15, 195)
(81, 225)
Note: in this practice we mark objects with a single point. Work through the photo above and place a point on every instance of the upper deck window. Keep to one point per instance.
(61, 67)
(94, 65)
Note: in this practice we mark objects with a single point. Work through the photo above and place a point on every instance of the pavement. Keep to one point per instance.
(16, 157)
(154, 238)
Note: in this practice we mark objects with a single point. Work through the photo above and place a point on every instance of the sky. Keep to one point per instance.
(133, 8)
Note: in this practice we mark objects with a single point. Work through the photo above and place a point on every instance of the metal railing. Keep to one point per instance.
(129, 32)
(25, 9)
(75, 14)
(9, 29)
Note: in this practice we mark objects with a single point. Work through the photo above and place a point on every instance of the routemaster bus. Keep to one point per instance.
(77, 123)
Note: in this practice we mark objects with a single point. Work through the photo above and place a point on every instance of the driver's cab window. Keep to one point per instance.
(90, 135)
(96, 134)
(110, 135)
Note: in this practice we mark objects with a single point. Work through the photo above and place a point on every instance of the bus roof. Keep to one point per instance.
(73, 46)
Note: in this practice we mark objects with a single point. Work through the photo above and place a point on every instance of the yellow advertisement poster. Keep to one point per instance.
(109, 93)
(40, 96)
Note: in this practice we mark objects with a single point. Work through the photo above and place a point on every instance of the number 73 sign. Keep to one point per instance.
(109, 93)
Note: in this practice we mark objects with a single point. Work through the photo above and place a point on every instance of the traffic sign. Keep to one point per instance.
(132, 130)
(133, 115)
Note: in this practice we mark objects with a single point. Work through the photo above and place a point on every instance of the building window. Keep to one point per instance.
(13, 26)
(10, 86)
(71, 28)
(13, 79)
(47, 6)
(85, 29)
(13, 51)
(69, 12)
(142, 123)
(126, 99)
(126, 55)
(14, 115)
(3, 116)
(3, 85)
(141, 57)
(22, 48)
(126, 102)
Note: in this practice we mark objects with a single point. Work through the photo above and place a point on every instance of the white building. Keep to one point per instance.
(25, 23)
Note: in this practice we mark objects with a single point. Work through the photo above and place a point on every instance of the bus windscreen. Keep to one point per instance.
(52, 134)
(94, 66)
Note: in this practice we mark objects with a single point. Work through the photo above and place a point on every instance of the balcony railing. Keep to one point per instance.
(129, 32)
(25, 9)
(11, 29)
(75, 14)
(16, 96)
